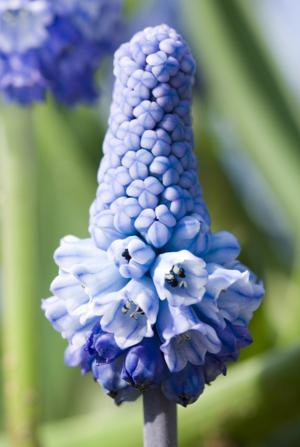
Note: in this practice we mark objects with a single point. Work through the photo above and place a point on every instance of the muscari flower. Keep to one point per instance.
(54, 46)
(153, 298)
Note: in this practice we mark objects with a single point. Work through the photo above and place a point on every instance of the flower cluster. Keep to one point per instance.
(153, 298)
(54, 46)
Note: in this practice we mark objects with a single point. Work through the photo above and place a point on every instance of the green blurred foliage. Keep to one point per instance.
(258, 404)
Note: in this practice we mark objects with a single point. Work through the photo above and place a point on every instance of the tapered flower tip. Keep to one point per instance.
(147, 177)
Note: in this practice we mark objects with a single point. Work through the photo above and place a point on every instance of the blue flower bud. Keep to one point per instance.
(144, 365)
(109, 377)
(191, 233)
(78, 356)
(184, 387)
(102, 346)
(132, 256)
(214, 366)
(233, 338)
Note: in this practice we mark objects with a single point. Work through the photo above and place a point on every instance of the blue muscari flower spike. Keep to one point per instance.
(54, 46)
(153, 298)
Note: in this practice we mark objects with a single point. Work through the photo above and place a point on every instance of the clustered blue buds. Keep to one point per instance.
(54, 46)
(153, 298)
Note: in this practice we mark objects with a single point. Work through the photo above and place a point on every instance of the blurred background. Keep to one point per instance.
(246, 115)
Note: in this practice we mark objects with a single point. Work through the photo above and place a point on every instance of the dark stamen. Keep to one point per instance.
(171, 279)
(126, 255)
(181, 273)
(137, 313)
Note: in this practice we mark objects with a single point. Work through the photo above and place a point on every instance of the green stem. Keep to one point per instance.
(19, 260)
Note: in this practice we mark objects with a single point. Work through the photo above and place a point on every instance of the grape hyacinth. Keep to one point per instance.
(54, 46)
(153, 298)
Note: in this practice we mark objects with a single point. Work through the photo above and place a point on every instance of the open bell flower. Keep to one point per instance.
(153, 298)
(130, 313)
(186, 338)
(179, 277)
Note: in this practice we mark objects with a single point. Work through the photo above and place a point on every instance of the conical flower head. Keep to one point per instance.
(147, 177)
(153, 298)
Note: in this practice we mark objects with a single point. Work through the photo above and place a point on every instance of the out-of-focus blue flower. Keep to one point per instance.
(154, 298)
(54, 46)
(23, 24)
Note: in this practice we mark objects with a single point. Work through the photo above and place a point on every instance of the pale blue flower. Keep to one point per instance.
(130, 313)
(232, 294)
(180, 277)
(186, 338)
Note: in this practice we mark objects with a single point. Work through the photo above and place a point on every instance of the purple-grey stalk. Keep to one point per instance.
(160, 420)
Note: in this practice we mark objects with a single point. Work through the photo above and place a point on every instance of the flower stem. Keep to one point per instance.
(20, 279)
(160, 420)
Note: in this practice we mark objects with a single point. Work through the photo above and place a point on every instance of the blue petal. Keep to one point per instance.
(102, 228)
(158, 234)
(223, 248)
(144, 365)
(73, 251)
(191, 233)
(99, 277)
(67, 288)
(69, 326)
